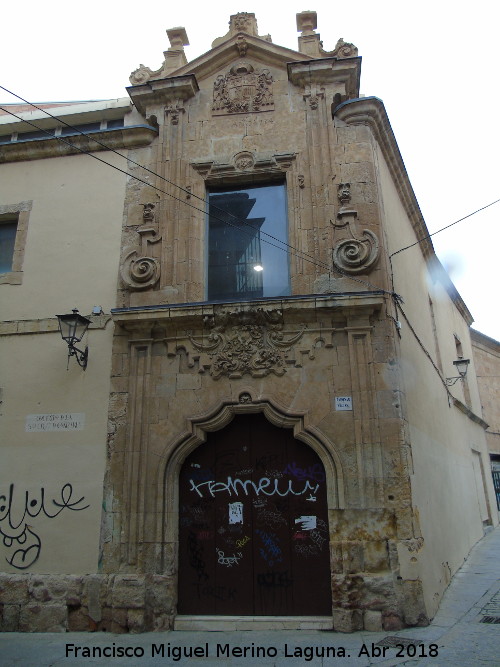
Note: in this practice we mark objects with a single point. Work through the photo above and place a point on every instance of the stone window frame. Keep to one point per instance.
(234, 186)
(247, 169)
(19, 213)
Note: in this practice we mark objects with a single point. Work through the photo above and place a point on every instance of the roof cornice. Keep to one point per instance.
(37, 149)
(370, 111)
(482, 339)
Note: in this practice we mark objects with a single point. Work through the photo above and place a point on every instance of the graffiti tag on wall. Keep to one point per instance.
(16, 511)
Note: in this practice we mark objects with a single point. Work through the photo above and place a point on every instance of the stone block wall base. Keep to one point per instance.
(146, 603)
(85, 603)
(347, 620)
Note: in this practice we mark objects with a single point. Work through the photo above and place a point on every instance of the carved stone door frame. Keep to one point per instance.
(216, 420)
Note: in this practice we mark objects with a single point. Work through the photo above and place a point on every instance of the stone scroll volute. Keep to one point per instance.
(140, 270)
(352, 254)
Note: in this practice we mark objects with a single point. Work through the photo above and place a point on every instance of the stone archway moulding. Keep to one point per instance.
(216, 420)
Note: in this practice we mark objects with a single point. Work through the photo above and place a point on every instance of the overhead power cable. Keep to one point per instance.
(297, 253)
(443, 228)
(125, 157)
(288, 248)
(141, 180)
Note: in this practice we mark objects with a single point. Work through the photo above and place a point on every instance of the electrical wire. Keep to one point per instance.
(141, 180)
(297, 253)
(125, 157)
(443, 228)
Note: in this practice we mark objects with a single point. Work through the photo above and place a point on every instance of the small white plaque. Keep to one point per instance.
(235, 513)
(343, 402)
(66, 421)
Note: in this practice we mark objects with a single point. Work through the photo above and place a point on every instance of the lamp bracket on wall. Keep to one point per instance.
(461, 365)
(72, 328)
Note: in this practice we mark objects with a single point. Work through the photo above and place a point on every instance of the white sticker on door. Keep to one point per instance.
(235, 513)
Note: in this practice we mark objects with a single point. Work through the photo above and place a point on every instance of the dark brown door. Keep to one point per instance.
(253, 525)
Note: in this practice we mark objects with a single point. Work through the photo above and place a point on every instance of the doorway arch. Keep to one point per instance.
(198, 429)
(253, 492)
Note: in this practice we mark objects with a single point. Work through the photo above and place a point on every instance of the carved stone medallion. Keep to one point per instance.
(243, 90)
(244, 161)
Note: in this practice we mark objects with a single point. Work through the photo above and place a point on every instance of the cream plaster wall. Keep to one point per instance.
(446, 505)
(72, 247)
(71, 260)
(33, 371)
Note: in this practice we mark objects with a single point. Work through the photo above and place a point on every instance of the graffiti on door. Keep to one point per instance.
(253, 524)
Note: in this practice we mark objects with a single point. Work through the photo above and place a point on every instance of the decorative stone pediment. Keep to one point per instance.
(243, 163)
(242, 45)
(243, 89)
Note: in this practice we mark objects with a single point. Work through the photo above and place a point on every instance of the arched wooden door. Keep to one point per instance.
(253, 525)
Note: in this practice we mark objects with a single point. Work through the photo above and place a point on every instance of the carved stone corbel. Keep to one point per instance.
(148, 214)
(241, 45)
(314, 94)
(173, 110)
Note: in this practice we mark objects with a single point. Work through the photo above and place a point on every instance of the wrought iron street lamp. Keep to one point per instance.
(73, 327)
(461, 366)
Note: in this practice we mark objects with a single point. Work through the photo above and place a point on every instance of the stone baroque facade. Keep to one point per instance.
(336, 359)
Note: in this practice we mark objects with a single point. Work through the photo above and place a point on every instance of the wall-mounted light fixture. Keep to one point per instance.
(73, 327)
(461, 365)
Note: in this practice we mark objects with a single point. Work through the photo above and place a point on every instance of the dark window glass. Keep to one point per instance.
(88, 127)
(7, 242)
(38, 134)
(242, 263)
(118, 122)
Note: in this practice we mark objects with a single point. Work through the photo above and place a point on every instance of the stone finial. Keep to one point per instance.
(178, 39)
(174, 58)
(307, 22)
(243, 22)
(309, 41)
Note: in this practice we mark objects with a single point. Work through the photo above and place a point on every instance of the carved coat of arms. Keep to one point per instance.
(242, 90)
